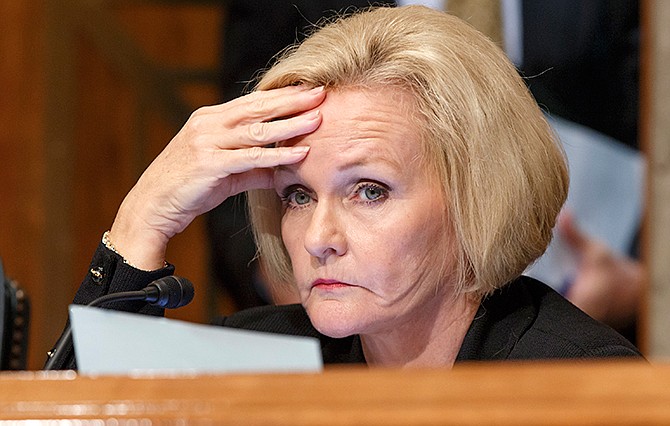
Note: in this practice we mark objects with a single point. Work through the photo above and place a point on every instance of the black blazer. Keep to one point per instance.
(525, 320)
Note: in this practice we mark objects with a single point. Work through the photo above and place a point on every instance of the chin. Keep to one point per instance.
(333, 320)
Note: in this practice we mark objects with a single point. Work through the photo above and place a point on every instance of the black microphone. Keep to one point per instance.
(167, 292)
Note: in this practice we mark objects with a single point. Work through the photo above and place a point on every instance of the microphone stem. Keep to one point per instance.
(65, 341)
(55, 355)
(113, 297)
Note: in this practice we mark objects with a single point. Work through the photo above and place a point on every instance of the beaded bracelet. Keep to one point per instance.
(106, 241)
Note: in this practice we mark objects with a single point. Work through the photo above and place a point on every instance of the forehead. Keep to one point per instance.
(364, 125)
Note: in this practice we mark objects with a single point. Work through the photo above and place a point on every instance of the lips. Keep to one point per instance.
(328, 284)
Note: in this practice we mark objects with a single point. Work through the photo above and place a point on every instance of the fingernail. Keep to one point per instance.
(316, 90)
(299, 149)
(311, 115)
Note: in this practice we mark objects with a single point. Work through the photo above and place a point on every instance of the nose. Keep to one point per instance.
(324, 236)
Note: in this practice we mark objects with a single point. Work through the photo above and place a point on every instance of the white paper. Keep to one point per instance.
(605, 198)
(112, 342)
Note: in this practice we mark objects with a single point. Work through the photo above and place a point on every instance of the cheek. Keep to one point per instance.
(292, 234)
(407, 251)
(423, 240)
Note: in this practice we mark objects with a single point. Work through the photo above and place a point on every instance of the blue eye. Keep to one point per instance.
(370, 192)
(295, 197)
(300, 198)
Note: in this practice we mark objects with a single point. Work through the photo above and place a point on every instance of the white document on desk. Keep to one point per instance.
(111, 342)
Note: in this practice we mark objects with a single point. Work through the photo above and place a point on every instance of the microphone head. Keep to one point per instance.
(173, 292)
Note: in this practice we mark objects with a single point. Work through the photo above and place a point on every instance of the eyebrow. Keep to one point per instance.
(364, 162)
(348, 166)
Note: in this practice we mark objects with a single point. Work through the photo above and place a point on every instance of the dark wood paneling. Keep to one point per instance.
(23, 219)
(90, 96)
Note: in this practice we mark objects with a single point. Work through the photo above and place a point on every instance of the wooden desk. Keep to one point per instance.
(503, 394)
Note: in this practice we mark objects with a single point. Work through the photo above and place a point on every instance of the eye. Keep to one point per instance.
(300, 198)
(371, 192)
(295, 197)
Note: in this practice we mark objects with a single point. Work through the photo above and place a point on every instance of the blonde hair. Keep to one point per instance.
(504, 174)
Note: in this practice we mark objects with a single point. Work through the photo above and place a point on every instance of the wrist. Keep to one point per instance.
(135, 238)
(106, 240)
(139, 249)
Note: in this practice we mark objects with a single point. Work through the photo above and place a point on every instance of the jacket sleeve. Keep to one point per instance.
(108, 273)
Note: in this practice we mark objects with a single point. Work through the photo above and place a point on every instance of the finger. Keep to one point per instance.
(253, 179)
(237, 183)
(255, 134)
(265, 133)
(267, 105)
(243, 160)
(271, 105)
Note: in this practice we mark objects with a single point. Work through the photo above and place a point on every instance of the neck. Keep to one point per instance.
(431, 341)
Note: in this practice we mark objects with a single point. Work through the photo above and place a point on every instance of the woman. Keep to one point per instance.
(413, 179)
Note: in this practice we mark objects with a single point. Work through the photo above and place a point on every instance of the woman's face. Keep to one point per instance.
(362, 221)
